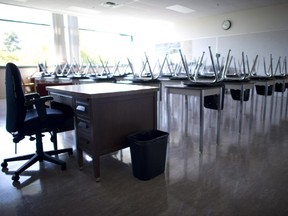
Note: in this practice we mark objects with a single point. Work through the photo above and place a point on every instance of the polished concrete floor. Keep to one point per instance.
(245, 175)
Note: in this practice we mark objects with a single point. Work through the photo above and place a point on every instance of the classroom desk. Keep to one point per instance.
(201, 92)
(42, 83)
(266, 83)
(105, 114)
(242, 86)
(280, 86)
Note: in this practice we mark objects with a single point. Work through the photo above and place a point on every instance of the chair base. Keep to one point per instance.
(33, 158)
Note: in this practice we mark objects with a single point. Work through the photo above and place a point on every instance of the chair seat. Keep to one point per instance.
(262, 78)
(32, 121)
(236, 80)
(178, 78)
(203, 84)
(280, 77)
(103, 79)
(75, 77)
(143, 80)
(166, 75)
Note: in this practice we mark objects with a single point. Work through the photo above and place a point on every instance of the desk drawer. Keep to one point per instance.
(83, 126)
(62, 99)
(84, 143)
(82, 108)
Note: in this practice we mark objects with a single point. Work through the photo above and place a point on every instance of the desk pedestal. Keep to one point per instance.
(113, 120)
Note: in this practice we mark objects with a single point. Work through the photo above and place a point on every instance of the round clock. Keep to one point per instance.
(226, 24)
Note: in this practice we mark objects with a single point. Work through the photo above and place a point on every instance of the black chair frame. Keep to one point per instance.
(30, 116)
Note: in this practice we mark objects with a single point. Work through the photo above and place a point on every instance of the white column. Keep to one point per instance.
(73, 36)
(59, 38)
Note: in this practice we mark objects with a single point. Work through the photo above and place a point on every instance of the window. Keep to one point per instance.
(26, 40)
(111, 47)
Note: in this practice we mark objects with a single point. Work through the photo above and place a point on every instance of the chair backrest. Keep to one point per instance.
(15, 99)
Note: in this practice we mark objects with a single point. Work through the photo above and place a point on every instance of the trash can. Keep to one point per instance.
(148, 153)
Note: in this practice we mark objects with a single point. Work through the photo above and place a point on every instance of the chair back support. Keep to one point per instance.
(15, 100)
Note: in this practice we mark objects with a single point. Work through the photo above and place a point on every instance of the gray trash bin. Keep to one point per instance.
(148, 153)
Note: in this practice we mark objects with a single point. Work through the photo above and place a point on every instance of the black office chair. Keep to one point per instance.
(28, 115)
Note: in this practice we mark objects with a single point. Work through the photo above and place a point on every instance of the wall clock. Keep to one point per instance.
(226, 24)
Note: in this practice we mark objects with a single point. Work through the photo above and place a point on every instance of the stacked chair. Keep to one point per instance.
(146, 75)
(211, 76)
(240, 75)
(264, 83)
(263, 87)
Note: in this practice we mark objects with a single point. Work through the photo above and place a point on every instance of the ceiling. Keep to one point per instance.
(145, 9)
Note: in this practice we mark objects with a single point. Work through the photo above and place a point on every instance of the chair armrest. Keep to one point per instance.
(38, 100)
(39, 105)
(31, 96)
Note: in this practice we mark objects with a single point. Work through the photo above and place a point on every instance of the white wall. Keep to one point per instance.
(245, 22)
(262, 31)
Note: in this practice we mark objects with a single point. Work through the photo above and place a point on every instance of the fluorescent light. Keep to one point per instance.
(180, 9)
(82, 10)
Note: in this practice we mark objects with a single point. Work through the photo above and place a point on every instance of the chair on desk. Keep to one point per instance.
(239, 77)
(281, 76)
(148, 78)
(27, 115)
(213, 79)
(265, 84)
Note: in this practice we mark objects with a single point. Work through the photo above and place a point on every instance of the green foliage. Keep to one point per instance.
(11, 42)
(9, 50)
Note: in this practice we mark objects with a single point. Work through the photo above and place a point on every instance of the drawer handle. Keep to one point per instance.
(81, 108)
(82, 125)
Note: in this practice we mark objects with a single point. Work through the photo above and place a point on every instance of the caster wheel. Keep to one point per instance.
(4, 164)
(63, 167)
(15, 177)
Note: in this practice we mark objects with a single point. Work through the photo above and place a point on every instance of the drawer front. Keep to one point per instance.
(83, 126)
(62, 99)
(84, 143)
(82, 108)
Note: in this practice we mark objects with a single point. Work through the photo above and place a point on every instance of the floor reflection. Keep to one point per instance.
(246, 174)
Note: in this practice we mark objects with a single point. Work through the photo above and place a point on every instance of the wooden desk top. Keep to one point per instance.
(193, 91)
(100, 90)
